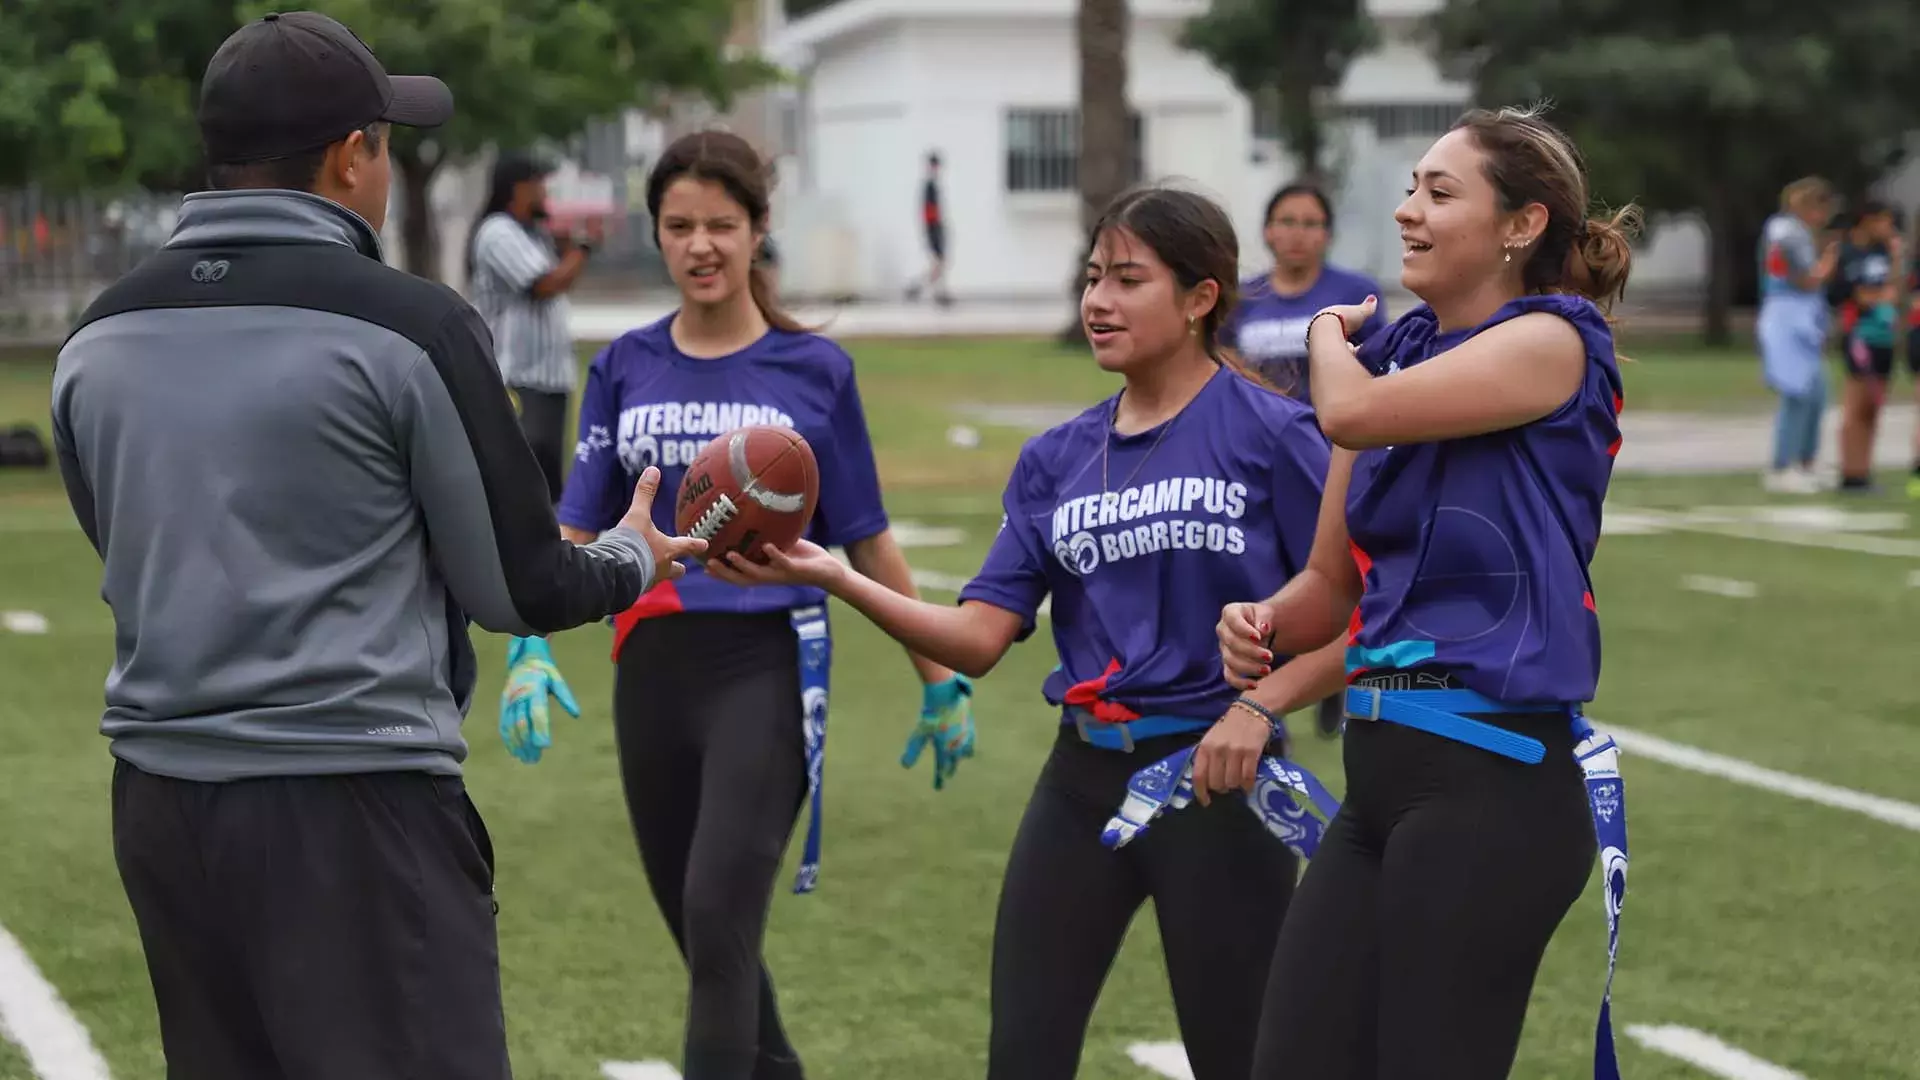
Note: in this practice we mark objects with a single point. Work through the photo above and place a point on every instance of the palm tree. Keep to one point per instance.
(1106, 133)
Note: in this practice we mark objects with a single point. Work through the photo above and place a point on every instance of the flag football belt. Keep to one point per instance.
(1438, 712)
(1291, 803)
(1122, 735)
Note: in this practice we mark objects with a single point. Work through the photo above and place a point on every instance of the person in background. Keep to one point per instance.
(1865, 294)
(1913, 363)
(1791, 330)
(519, 275)
(1268, 326)
(936, 225)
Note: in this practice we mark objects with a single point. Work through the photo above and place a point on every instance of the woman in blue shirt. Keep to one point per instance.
(720, 696)
(1138, 518)
(1474, 441)
(1268, 324)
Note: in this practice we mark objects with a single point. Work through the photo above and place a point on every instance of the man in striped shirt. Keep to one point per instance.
(518, 277)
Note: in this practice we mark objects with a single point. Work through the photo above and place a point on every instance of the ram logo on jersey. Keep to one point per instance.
(1194, 513)
(672, 433)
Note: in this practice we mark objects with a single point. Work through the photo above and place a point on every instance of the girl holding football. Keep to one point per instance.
(1189, 487)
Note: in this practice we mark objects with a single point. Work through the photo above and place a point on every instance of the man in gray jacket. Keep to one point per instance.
(304, 479)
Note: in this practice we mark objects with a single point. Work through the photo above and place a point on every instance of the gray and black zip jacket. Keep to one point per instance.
(304, 479)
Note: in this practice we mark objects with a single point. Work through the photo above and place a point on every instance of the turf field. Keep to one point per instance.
(1776, 924)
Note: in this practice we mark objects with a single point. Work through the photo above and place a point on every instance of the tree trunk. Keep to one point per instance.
(1301, 124)
(1106, 131)
(419, 239)
(1720, 266)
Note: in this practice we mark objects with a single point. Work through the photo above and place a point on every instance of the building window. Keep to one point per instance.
(1043, 150)
(1407, 119)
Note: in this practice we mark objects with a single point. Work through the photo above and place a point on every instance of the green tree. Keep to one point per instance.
(526, 70)
(1291, 50)
(1705, 107)
(102, 96)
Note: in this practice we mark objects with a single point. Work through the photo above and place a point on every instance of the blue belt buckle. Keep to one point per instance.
(1081, 719)
(1372, 714)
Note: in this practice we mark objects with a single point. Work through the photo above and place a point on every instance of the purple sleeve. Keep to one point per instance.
(850, 508)
(1300, 458)
(598, 489)
(1014, 576)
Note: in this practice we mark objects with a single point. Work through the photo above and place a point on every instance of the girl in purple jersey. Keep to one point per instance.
(1474, 443)
(720, 697)
(1138, 518)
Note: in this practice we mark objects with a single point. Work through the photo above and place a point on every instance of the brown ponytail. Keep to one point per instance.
(726, 159)
(1600, 258)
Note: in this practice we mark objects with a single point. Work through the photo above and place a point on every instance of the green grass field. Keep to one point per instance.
(1780, 926)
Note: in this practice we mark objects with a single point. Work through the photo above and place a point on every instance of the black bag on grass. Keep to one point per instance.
(21, 447)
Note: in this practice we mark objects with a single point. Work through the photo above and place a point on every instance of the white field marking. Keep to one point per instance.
(1890, 811)
(1891, 546)
(638, 1070)
(1703, 1050)
(1166, 1058)
(33, 1017)
(912, 534)
(1719, 586)
(24, 622)
(1622, 522)
(1913, 579)
(1813, 518)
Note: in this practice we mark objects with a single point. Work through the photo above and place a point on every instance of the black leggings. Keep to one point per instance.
(1220, 885)
(1413, 944)
(707, 719)
(543, 420)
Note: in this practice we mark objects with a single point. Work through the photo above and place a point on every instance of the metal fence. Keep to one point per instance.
(58, 251)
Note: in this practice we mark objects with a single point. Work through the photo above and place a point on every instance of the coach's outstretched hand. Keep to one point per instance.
(531, 676)
(1245, 631)
(946, 724)
(667, 550)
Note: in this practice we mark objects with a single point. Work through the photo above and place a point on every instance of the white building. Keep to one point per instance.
(992, 86)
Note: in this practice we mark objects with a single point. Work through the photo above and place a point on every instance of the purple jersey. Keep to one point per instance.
(1475, 551)
(1270, 330)
(1139, 551)
(648, 403)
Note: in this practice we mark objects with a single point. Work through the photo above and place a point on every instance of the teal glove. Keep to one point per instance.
(946, 722)
(531, 676)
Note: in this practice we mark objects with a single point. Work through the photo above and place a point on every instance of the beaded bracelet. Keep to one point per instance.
(1275, 726)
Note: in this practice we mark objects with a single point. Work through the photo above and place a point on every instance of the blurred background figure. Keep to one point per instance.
(519, 275)
(1269, 325)
(1791, 331)
(1865, 295)
(936, 226)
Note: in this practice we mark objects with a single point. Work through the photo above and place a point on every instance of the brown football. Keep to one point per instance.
(747, 488)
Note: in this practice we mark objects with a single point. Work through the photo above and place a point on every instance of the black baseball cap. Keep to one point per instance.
(298, 80)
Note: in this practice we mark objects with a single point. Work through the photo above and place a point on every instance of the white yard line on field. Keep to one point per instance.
(638, 1070)
(1702, 1050)
(1637, 520)
(1719, 586)
(33, 1017)
(1891, 811)
(1166, 1058)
